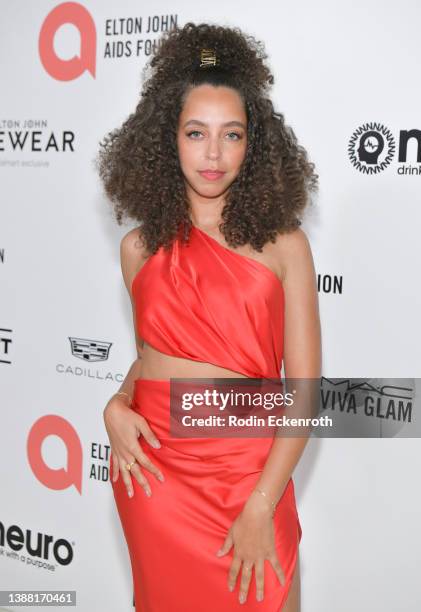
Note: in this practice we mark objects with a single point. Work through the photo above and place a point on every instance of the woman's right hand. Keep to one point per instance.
(124, 426)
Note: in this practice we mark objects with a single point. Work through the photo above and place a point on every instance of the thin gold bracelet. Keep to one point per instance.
(269, 500)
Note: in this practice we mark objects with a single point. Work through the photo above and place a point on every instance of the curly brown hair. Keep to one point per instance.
(138, 162)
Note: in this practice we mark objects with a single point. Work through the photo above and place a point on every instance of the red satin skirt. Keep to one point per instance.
(173, 535)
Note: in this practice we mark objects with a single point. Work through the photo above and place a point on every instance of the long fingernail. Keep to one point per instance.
(242, 599)
(148, 492)
(130, 493)
(161, 477)
(259, 596)
(156, 444)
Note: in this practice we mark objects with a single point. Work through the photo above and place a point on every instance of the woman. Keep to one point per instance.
(217, 182)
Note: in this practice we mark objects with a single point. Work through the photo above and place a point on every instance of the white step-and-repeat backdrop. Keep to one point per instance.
(347, 81)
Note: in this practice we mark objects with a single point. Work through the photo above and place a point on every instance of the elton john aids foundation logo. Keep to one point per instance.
(55, 478)
(84, 60)
(371, 148)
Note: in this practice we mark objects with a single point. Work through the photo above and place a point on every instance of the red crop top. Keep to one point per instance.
(205, 302)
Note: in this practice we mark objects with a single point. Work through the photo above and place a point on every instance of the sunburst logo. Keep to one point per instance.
(371, 148)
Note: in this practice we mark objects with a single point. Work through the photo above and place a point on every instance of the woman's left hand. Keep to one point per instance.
(253, 536)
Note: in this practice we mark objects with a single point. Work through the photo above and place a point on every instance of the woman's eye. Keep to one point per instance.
(193, 132)
(235, 134)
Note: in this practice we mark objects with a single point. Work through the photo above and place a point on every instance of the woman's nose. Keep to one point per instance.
(214, 148)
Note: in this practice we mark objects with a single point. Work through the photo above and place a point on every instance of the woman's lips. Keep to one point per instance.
(211, 176)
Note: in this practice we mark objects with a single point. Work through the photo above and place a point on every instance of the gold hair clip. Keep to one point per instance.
(208, 58)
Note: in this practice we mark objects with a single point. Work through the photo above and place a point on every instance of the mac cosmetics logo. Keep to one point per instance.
(90, 350)
(372, 147)
(369, 407)
(5, 344)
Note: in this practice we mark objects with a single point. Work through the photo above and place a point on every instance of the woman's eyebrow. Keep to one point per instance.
(228, 123)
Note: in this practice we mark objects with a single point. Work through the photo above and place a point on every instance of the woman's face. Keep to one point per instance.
(212, 135)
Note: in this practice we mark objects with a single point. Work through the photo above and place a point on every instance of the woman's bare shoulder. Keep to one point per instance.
(132, 255)
(288, 248)
(294, 251)
(131, 243)
(291, 243)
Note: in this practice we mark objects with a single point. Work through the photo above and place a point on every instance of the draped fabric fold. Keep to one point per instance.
(204, 302)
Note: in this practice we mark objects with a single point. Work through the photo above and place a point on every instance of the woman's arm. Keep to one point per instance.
(127, 385)
(252, 533)
(131, 258)
(123, 424)
(302, 354)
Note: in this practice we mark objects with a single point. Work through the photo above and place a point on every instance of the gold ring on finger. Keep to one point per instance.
(129, 465)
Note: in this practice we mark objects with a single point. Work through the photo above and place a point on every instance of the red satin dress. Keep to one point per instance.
(202, 301)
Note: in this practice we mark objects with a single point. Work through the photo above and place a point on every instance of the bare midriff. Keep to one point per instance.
(159, 366)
